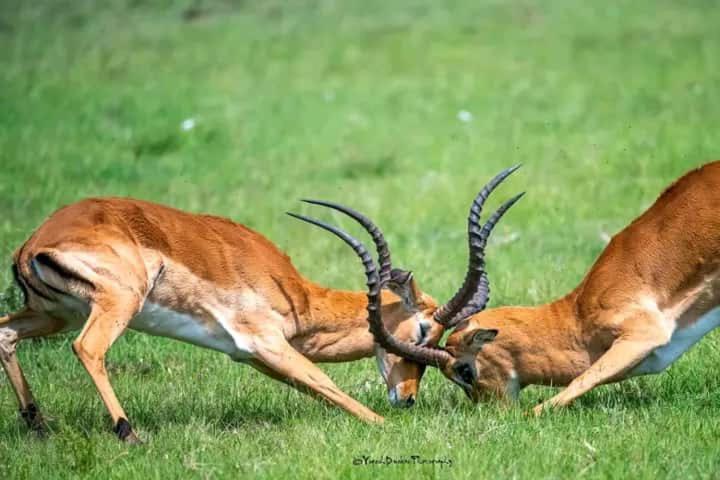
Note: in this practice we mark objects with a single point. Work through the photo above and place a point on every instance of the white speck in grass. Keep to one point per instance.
(605, 237)
(465, 116)
(187, 124)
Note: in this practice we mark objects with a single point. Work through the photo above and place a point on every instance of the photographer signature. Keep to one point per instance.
(387, 460)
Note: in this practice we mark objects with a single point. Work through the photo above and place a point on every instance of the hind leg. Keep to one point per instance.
(13, 328)
(108, 319)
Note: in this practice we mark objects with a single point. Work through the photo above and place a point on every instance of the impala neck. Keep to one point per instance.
(542, 344)
(334, 327)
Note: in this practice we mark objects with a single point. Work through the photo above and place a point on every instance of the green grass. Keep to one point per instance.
(603, 102)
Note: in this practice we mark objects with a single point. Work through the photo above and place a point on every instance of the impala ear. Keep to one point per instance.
(402, 284)
(480, 337)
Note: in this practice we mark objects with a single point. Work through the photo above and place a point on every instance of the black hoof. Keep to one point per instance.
(124, 432)
(34, 419)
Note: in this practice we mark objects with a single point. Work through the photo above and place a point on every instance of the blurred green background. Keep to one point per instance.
(403, 110)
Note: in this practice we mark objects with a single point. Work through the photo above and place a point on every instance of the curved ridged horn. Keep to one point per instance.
(475, 291)
(415, 353)
(381, 245)
(481, 293)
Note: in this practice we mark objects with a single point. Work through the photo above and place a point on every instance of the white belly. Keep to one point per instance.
(680, 342)
(158, 320)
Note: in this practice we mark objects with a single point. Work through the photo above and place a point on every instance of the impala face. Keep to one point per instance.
(476, 368)
(417, 326)
(402, 377)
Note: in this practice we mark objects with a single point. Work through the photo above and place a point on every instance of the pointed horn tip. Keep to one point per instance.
(512, 201)
(510, 170)
(322, 203)
(498, 179)
(302, 217)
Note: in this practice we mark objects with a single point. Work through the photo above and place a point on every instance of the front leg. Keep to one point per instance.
(622, 356)
(278, 359)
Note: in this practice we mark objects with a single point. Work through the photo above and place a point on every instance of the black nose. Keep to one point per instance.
(410, 401)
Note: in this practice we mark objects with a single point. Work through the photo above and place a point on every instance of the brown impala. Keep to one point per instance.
(108, 264)
(651, 295)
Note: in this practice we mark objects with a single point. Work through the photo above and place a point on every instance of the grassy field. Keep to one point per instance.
(604, 103)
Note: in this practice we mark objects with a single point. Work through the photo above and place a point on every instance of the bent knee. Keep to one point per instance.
(8, 341)
(8, 336)
(85, 353)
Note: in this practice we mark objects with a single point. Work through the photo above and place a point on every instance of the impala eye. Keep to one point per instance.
(424, 330)
(465, 372)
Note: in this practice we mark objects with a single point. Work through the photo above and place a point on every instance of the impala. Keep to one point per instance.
(108, 264)
(650, 296)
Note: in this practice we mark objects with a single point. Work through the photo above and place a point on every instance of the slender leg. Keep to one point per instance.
(277, 358)
(106, 323)
(624, 354)
(13, 328)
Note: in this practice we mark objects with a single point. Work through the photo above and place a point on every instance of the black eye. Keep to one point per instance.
(465, 372)
(424, 329)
